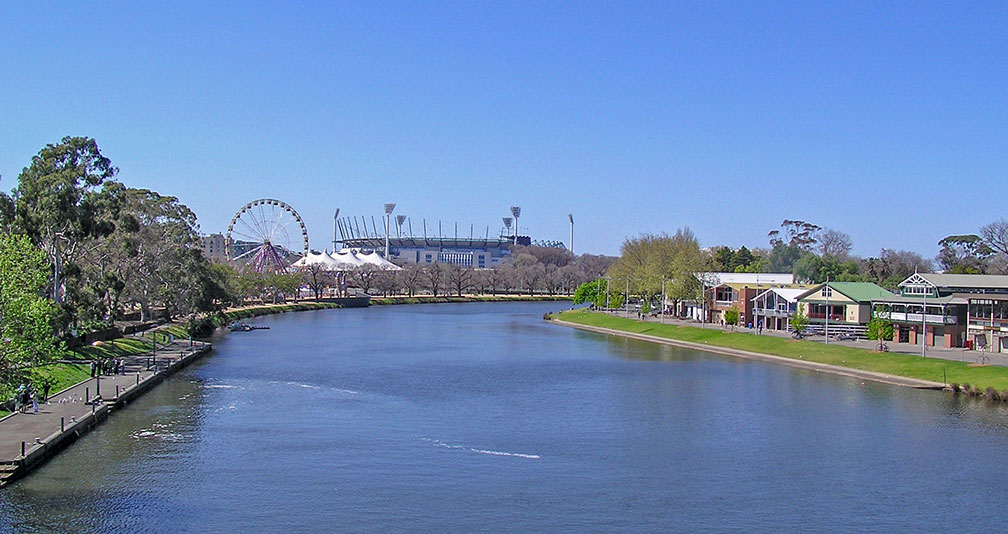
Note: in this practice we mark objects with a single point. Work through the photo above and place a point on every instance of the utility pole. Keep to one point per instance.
(827, 290)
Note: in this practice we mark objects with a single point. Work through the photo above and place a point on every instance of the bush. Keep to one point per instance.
(953, 387)
(201, 327)
(1004, 395)
(990, 394)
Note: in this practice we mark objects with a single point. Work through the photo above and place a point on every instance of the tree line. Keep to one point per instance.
(811, 253)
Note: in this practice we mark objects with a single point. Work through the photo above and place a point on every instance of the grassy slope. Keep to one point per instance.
(857, 358)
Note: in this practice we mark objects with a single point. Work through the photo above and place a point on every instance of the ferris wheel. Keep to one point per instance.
(264, 234)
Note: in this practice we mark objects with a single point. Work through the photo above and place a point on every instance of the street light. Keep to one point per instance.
(388, 211)
(516, 211)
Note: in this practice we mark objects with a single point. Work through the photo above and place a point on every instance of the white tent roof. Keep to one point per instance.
(347, 259)
(376, 259)
(312, 259)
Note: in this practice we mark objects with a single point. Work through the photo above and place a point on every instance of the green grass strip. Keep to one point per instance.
(906, 365)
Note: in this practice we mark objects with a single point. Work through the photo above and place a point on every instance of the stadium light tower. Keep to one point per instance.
(399, 219)
(335, 223)
(388, 211)
(507, 225)
(516, 211)
(570, 217)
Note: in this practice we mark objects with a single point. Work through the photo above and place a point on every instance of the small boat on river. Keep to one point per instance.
(245, 327)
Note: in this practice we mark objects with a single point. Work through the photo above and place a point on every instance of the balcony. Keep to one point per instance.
(916, 318)
(822, 316)
(771, 312)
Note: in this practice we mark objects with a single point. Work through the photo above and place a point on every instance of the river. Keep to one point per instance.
(485, 418)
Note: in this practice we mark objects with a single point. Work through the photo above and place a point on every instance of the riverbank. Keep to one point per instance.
(27, 440)
(902, 369)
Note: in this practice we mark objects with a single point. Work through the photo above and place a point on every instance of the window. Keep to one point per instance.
(724, 294)
(826, 291)
(428, 258)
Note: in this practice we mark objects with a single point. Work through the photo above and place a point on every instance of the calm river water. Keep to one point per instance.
(484, 418)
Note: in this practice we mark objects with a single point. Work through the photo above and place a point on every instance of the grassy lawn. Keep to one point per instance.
(856, 358)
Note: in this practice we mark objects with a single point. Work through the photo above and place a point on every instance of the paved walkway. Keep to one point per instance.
(969, 356)
(80, 401)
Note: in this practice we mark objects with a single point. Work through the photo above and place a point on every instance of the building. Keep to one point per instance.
(952, 310)
(774, 307)
(726, 291)
(214, 247)
(847, 304)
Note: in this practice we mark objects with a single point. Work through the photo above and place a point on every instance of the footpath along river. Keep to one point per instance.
(485, 418)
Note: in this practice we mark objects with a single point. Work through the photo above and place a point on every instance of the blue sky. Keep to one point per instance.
(888, 121)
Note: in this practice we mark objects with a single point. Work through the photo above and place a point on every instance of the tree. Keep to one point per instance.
(964, 254)
(433, 277)
(801, 234)
(460, 278)
(54, 202)
(387, 281)
(590, 292)
(995, 236)
(798, 319)
(834, 244)
(893, 266)
(363, 276)
(495, 278)
(27, 337)
(317, 277)
(783, 257)
(731, 316)
(880, 327)
(411, 277)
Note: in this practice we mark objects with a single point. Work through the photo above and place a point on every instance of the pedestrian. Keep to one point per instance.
(93, 368)
(34, 401)
(45, 391)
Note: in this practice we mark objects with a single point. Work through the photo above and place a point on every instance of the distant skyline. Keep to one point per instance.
(885, 121)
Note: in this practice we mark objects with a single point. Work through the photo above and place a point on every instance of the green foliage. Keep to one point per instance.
(590, 292)
(27, 338)
(731, 316)
(965, 254)
(814, 269)
(783, 257)
(645, 307)
(880, 327)
(798, 319)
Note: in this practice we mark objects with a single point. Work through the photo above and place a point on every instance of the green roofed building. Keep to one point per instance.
(841, 303)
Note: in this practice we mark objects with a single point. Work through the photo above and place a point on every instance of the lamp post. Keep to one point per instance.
(388, 212)
(827, 290)
(662, 319)
(516, 211)
(924, 325)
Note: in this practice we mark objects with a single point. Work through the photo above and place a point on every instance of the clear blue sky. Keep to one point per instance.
(885, 121)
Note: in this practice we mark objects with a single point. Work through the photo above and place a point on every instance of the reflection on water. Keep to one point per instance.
(482, 417)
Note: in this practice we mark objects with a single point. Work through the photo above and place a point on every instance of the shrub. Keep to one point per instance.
(966, 388)
(1004, 395)
(990, 394)
(953, 387)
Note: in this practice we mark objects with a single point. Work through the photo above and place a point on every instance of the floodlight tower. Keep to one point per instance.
(388, 211)
(507, 224)
(570, 217)
(516, 211)
(335, 223)
(399, 219)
